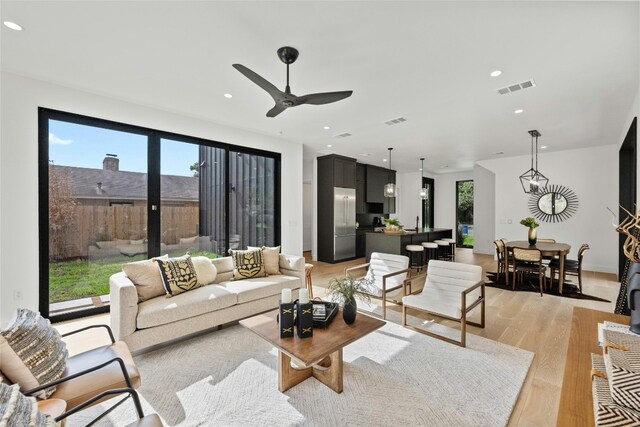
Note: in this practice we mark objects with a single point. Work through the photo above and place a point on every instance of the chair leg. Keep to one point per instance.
(404, 315)
(540, 281)
(463, 329)
(384, 304)
(580, 280)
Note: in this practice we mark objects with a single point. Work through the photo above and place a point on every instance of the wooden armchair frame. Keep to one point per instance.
(383, 295)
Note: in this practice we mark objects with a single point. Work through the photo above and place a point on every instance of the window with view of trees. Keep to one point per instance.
(464, 213)
(117, 193)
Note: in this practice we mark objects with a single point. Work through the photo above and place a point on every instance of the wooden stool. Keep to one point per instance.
(307, 272)
(431, 250)
(414, 250)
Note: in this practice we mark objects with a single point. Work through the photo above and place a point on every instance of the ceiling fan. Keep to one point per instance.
(286, 99)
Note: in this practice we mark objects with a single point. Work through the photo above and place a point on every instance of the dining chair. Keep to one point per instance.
(500, 254)
(571, 266)
(529, 261)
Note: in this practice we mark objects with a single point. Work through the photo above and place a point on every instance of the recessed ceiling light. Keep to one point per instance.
(366, 154)
(329, 145)
(12, 25)
(326, 127)
(384, 160)
(228, 95)
(420, 169)
(543, 147)
(495, 73)
(518, 111)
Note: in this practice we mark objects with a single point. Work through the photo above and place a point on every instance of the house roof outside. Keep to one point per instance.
(92, 183)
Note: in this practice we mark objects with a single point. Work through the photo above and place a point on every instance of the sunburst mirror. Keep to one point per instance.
(554, 203)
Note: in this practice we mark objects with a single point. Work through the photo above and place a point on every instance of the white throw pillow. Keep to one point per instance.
(146, 276)
(205, 270)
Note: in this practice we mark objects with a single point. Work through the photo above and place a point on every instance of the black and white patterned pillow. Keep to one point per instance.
(178, 275)
(17, 409)
(248, 264)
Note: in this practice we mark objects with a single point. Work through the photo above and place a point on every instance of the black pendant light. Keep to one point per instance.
(390, 187)
(423, 193)
(533, 180)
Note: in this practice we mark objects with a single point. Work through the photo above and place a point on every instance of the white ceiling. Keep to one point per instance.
(426, 61)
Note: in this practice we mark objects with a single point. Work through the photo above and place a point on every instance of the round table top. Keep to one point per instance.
(543, 247)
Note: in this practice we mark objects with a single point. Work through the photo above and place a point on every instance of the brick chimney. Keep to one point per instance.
(111, 163)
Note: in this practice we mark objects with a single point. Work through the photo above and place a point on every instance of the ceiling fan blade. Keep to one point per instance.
(276, 110)
(260, 81)
(324, 98)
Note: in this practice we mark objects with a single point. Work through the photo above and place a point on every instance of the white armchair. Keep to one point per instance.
(452, 290)
(387, 272)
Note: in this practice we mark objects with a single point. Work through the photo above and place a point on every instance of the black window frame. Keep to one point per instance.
(154, 137)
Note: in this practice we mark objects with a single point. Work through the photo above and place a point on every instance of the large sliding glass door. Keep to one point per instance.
(114, 193)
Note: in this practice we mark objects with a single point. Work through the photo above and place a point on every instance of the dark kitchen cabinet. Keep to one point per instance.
(377, 177)
(344, 172)
(361, 188)
(361, 249)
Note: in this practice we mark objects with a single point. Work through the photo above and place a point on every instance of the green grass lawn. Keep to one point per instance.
(468, 240)
(69, 280)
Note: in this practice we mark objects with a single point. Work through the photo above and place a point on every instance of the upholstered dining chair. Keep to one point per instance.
(571, 266)
(451, 291)
(91, 373)
(386, 272)
(500, 254)
(529, 261)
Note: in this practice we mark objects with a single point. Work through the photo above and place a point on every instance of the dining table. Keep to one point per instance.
(546, 249)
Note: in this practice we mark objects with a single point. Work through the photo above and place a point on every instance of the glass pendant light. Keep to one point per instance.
(423, 193)
(390, 188)
(533, 180)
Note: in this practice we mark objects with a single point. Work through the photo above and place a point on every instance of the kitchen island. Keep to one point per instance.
(396, 243)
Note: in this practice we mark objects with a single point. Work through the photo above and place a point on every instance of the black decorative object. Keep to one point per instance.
(304, 322)
(349, 311)
(330, 311)
(286, 319)
(286, 99)
(554, 203)
(633, 297)
(533, 180)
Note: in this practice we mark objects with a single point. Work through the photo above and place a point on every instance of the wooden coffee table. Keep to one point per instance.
(319, 356)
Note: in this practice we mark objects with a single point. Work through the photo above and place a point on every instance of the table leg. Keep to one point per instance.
(328, 372)
(561, 278)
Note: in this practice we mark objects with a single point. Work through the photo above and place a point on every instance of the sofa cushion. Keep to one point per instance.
(205, 270)
(260, 287)
(32, 352)
(146, 276)
(271, 258)
(161, 311)
(247, 264)
(224, 266)
(178, 275)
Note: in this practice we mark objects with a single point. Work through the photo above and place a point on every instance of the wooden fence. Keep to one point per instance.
(123, 222)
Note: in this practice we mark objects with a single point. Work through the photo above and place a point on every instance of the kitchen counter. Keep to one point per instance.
(396, 243)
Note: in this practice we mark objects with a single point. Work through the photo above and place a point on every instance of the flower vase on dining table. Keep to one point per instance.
(533, 238)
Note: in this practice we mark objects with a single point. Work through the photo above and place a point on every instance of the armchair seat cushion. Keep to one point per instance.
(152, 420)
(162, 311)
(82, 388)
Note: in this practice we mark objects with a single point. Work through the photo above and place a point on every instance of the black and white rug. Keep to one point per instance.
(393, 376)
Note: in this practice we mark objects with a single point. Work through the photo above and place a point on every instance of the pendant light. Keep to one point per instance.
(423, 193)
(533, 180)
(390, 188)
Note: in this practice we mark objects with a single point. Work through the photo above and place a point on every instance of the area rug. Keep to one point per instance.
(393, 376)
(569, 289)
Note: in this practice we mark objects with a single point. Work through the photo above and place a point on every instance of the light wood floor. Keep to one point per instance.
(522, 319)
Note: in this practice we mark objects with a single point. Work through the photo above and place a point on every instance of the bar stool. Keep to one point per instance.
(431, 251)
(443, 249)
(307, 273)
(414, 250)
(452, 248)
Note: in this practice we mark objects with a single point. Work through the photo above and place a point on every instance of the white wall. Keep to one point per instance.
(484, 210)
(592, 173)
(408, 204)
(21, 98)
(445, 199)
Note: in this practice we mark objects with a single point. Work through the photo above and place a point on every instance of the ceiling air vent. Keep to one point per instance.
(343, 135)
(395, 121)
(516, 87)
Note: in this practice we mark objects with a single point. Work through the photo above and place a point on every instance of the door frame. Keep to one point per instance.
(627, 182)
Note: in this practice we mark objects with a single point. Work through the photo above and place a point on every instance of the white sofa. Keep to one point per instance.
(161, 319)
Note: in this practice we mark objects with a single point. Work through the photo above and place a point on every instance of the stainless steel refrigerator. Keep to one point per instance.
(344, 223)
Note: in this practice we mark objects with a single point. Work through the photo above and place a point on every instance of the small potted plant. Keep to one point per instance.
(393, 225)
(346, 290)
(532, 224)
